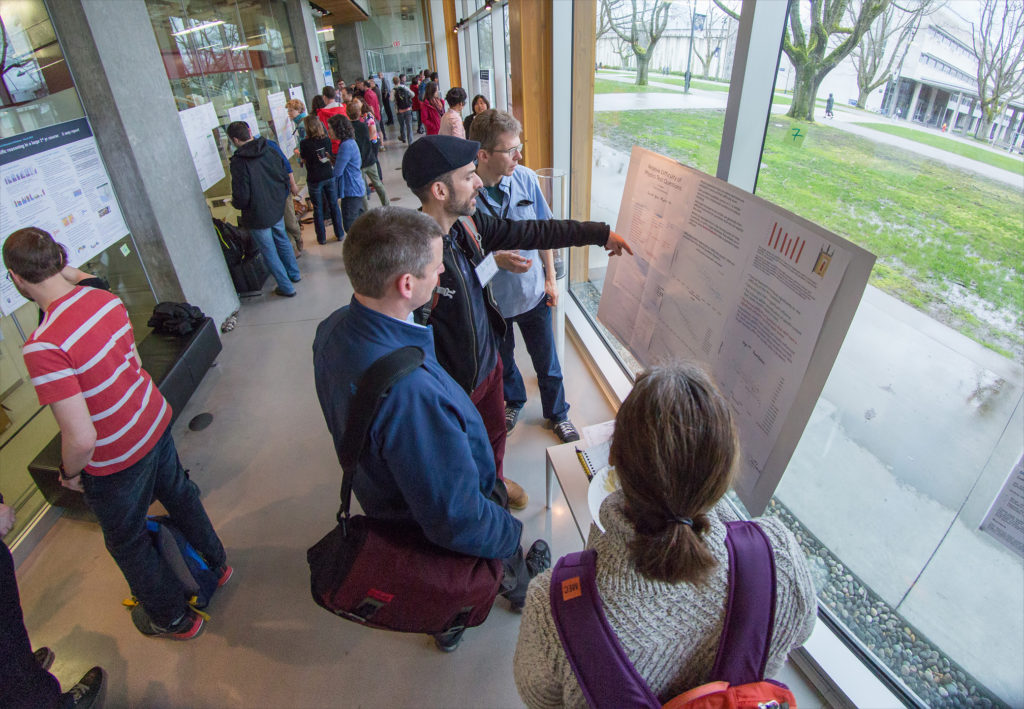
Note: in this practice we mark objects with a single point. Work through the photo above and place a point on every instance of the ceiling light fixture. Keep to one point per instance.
(239, 47)
(205, 25)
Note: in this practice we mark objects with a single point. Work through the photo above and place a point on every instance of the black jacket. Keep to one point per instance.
(455, 312)
(259, 184)
(362, 136)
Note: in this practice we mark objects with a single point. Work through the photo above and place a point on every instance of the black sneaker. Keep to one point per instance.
(565, 431)
(538, 558)
(447, 642)
(87, 693)
(185, 628)
(511, 416)
(44, 657)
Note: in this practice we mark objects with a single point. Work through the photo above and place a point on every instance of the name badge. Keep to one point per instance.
(486, 270)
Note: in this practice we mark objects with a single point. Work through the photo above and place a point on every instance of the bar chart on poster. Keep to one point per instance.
(760, 296)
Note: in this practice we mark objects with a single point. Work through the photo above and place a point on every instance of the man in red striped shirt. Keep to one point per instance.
(116, 444)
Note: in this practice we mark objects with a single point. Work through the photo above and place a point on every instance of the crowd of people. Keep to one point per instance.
(440, 437)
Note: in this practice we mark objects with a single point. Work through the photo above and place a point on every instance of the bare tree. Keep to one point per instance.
(998, 40)
(886, 42)
(640, 24)
(714, 40)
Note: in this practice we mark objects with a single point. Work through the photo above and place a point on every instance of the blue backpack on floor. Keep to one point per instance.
(191, 569)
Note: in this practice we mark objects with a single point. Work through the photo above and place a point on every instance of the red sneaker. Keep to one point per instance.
(225, 574)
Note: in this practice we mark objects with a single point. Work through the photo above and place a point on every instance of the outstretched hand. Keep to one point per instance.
(512, 261)
(616, 244)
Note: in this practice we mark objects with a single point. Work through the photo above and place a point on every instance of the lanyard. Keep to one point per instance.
(486, 203)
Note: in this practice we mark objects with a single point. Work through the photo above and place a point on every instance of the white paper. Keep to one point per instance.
(53, 178)
(295, 92)
(725, 278)
(198, 124)
(246, 113)
(283, 125)
(487, 269)
(1005, 519)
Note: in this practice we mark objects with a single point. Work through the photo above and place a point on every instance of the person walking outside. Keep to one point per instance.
(259, 186)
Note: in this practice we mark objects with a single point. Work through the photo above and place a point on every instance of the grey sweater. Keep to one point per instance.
(669, 631)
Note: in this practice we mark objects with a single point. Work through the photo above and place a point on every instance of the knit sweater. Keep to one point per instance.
(670, 632)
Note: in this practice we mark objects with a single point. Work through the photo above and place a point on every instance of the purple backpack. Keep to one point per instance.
(605, 674)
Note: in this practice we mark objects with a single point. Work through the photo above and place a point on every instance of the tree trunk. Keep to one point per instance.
(642, 60)
(862, 98)
(805, 91)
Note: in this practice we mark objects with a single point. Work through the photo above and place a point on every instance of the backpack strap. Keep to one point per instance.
(374, 383)
(605, 674)
(474, 234)
(750, 607)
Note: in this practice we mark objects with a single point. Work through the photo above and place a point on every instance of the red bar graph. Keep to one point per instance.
(789, 246)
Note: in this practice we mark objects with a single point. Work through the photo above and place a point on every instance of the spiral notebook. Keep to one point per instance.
(595, 458)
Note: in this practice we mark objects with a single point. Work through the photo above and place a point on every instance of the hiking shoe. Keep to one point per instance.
(517, 497)
(566, 432)
(447, 642)
(511, 416)
(44, 657)
(185, 628)
(538, 558)
(224, 574)
(87, 693)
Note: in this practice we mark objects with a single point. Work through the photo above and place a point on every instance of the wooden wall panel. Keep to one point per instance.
(584, 31)
(452, 44)
(530, 36)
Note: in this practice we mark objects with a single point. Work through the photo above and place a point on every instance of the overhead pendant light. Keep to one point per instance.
(205, 25)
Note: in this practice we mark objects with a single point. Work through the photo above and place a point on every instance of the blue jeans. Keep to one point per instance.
(405, 126)
(277, 252)
(535, 326)
(120, 502)
(324, 196)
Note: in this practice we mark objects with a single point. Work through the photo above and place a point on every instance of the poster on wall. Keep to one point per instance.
(282, 123)
(727, 279)
(198, 124)
(53, 178)
(1005, 518)
(246, 113)
(295, 92)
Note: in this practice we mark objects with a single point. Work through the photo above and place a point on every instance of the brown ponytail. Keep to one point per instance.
(674, 449)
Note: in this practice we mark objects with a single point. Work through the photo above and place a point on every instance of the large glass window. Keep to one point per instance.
(36, 92)
(921, 420)
(395, 39)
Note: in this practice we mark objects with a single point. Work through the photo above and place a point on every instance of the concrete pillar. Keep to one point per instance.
(932, 93)
(120, 77)
(349, 49)
(307, 49)
(912, 108)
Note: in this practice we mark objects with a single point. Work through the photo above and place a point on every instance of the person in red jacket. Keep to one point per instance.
(431, 109)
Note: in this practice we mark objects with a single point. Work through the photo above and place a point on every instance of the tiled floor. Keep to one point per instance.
(270, 482)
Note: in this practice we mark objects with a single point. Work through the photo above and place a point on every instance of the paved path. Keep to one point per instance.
(844, 120)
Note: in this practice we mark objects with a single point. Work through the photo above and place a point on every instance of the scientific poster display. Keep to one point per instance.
(282, 123)
(198, 124)
(725, 278)
(53, 178)
(1005, 519)
(246, 113)
(295, 92)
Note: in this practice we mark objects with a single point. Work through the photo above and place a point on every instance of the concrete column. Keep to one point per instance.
(912, 108)
(120, 77)
(349, 50)
(307, 49)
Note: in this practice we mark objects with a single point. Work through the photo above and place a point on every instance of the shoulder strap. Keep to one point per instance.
(373, 384)
(750, 607)
(469, 224)
(605, 674)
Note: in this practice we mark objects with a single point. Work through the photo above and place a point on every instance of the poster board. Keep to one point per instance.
(1005, 518)
(53, 178)
(283, 125)
(198, 124)
(295, 92)
(246, 113)
(760, 296)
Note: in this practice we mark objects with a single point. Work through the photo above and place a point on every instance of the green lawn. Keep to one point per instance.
(1006, 162)
(606, 86)
(934, 228)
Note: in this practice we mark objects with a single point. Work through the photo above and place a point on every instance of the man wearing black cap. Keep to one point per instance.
(441, 171)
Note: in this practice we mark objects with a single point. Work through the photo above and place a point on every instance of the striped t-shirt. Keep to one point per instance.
(85, 345)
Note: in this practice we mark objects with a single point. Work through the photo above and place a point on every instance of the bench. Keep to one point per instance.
(177, 365)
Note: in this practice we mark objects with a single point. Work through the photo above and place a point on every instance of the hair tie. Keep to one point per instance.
(681, 520)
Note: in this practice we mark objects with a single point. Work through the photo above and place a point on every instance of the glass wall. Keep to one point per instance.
(37, 91)
(920, 422)
(395, 38)
(232, 54)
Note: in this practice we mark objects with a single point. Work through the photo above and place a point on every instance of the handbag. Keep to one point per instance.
(385, 573)
(608, 679)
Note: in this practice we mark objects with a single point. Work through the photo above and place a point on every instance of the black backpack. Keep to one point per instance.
(175, 318)
(403, 97)
(236, 242)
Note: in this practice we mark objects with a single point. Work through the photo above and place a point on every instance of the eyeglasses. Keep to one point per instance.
(513, 149)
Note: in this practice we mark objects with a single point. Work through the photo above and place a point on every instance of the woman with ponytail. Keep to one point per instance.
(662, 562)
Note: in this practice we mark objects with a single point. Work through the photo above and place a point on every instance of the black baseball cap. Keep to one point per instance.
(433, 155)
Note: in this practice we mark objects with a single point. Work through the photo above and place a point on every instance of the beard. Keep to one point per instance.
(465, 208)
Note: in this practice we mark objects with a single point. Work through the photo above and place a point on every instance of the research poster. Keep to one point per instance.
(53, 178)
(198, 124)
(282, 123)
(246, 113)
(728, 279)
(295, 92)
(1005, 519)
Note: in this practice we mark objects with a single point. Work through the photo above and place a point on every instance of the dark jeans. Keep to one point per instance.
(351, 208)
(23, 683)
(121, 500)
(487, 398)
(324, 197)
(535, 326)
